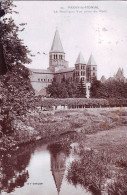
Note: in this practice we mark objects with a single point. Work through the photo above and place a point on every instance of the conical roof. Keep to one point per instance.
(119, 73)
(58, 178)
(80, 59)
(91, 60)
(57, 45)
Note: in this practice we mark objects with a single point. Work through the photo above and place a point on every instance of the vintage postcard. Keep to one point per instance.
(63, 97)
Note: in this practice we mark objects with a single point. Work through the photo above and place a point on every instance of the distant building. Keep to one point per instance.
(58, 68)
(103, 79)
(119, 76)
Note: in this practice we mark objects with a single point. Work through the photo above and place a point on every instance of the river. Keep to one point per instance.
(38, 169)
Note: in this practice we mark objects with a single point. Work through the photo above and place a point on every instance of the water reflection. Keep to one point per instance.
(58, 163)
(37, 163)
(13, 173)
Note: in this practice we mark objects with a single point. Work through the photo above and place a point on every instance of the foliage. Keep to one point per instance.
(119, 186)
(13, 168)
(94, 88)
(15, 52)
(81, 89)
(3, 68)
(96, 172)
(91, 171)
(109, 89)
(63, 89)
(16, 91)
(70, 102)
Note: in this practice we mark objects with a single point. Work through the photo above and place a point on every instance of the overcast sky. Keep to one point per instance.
(101, 31)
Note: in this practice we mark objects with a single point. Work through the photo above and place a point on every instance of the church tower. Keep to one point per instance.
(57, 55)
(91, 69)
(80, 68)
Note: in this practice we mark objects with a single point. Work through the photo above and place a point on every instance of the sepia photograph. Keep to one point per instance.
(63, 97)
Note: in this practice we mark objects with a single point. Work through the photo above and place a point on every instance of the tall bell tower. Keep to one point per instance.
(91, 69)
(80, 68)
(57, 55)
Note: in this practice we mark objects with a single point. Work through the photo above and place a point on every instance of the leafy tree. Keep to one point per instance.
(63, 89)
(15, 52)
(16, 91)
(94, 88)
(109, 89)
(66, 89)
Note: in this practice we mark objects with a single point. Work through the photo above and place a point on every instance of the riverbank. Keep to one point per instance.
(50, 124)
(101, 134)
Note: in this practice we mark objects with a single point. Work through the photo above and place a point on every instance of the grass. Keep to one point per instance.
(112, 142)
(87, 121)
(104, 131)
(53, 123)
(102, 163)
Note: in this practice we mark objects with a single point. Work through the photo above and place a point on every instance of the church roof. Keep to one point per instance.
(80, 59)
(91, 60)
(57, 45)
(65, 70)
(41, 71)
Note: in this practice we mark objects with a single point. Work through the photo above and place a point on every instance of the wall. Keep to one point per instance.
(67, 75)
(40, 81)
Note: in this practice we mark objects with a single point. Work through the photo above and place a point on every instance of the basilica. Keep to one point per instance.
(58, 68)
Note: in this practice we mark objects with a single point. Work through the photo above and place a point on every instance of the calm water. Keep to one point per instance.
(38, 170)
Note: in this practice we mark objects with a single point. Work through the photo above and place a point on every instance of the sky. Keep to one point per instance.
(97, 27)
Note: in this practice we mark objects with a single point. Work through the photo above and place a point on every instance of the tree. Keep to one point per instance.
(81, 89)
(16, 91)
(16, 53)
(95, 86)
(109, 89)
(63, 89)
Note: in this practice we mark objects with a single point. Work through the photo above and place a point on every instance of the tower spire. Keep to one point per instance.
(56, 55)
(80, 59)
(91, 61)
(57, 45)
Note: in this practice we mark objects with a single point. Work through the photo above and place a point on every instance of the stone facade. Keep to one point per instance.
(58, 68)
